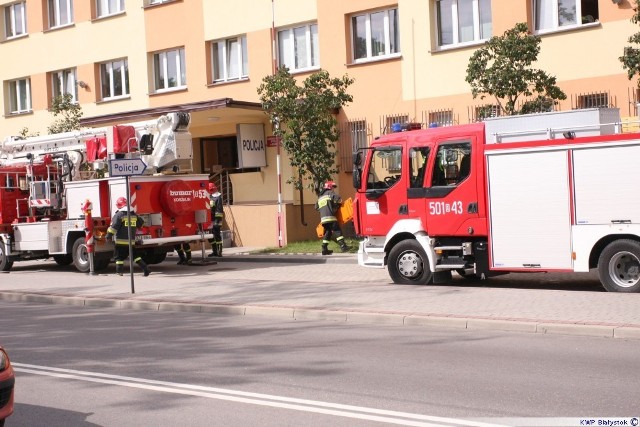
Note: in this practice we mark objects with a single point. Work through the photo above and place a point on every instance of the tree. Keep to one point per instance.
(303, 118)
(70, 112)
(631, 56)
(502, 69)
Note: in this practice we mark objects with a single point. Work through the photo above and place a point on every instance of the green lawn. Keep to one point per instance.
(311, 246)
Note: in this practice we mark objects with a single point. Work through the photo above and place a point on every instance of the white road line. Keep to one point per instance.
(336, 409)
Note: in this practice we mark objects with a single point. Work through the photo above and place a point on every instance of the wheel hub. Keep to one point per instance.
(624, 269)
(410, 265)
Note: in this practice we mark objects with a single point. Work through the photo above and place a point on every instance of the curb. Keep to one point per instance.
(621, 331)
(301, 258)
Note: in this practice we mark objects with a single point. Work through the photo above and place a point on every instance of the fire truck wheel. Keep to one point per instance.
(5, 264)
(408, 264)
(151, 257)
(619, 266)
(80, 255)
(63, 259)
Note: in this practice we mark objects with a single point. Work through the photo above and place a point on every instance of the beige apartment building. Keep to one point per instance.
(132, 60)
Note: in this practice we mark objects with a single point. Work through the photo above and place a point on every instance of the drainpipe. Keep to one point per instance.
(302, 221)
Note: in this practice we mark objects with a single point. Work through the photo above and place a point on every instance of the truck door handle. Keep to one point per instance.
(403, 210)
(472, 208)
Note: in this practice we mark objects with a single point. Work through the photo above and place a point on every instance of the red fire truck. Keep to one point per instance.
(48, 182)
(551, 192)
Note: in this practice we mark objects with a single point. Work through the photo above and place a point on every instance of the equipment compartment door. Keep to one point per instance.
(530, 210)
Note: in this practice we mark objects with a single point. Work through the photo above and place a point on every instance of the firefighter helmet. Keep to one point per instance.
(212, 188)
(329, 185)
(121, 202)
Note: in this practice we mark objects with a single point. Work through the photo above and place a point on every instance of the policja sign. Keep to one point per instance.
(127, 168)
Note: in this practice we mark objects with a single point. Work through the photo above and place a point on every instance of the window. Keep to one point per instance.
(393, 123)
(440, 118)
(114, 79)
(159, 1)
(298, 47)
(230, 59)
(169, 70)
(20, 96)
(15, 19)
(418, 157)
(109, 7)
(385, 168)
(463, 21)
(64, 82)
(593, 100)
(375, 35)
(353, 137)
(452, 164)
(60, 13)
(552, 15)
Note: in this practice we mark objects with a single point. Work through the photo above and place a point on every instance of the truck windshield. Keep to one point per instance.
(385, 168)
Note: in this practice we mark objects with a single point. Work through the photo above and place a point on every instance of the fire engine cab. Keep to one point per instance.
(56, 194)
(550, 192)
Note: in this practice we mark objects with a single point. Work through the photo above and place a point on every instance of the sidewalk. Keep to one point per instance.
(335, 288)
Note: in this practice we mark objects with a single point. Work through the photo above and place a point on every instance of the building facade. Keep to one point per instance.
(132, 60)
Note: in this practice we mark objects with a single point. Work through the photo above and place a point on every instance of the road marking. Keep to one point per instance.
(327, 408)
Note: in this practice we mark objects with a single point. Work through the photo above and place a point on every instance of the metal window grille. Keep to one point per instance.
(387, 122)
(592, 100)
(478, 113)
(442, 117)
(353, 136)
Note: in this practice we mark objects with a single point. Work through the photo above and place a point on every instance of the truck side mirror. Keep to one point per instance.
(357, 169)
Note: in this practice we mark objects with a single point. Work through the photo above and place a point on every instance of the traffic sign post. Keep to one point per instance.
(127, 168)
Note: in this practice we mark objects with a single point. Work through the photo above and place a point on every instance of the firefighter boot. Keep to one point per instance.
(182, 258)
(326, 250)
(219, 248)
(144, 267)
(343, 246)
(119, 269)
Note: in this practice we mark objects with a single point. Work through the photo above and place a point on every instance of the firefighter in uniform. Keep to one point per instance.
(184, 253)
(328, 204)
(217, 216)
(120, 229)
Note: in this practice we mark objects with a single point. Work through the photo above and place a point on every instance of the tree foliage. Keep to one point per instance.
(502, 69)
(69, 112)
(631, 56)
(303, 116)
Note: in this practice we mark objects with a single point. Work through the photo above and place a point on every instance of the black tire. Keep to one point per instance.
(100, 263)
(80, 255)
(63, 260)
(151, 257)
(408, 264)
(5, 264)
(619, 266)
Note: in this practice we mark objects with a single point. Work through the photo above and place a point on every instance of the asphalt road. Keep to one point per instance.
(80, 366)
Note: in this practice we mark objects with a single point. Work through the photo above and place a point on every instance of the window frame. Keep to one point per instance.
(454, 15)
(59, 83)
(102, 5)
(161, 59)
(312, 48)
(387, 32)
(242, 61)
(54, 13)
(10, 20)
(107, 69)
(15, 98)
(555, 17)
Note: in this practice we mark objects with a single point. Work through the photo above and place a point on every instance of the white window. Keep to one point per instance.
(20, 96)
(169, 70)
(60, 13)
(375, 35)
(159, 1)
(463, 21)
(109, 7)
(64, 82)
(298, 48)
(552, 15)
(15, 19)
(114, 79)
(230, 59)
